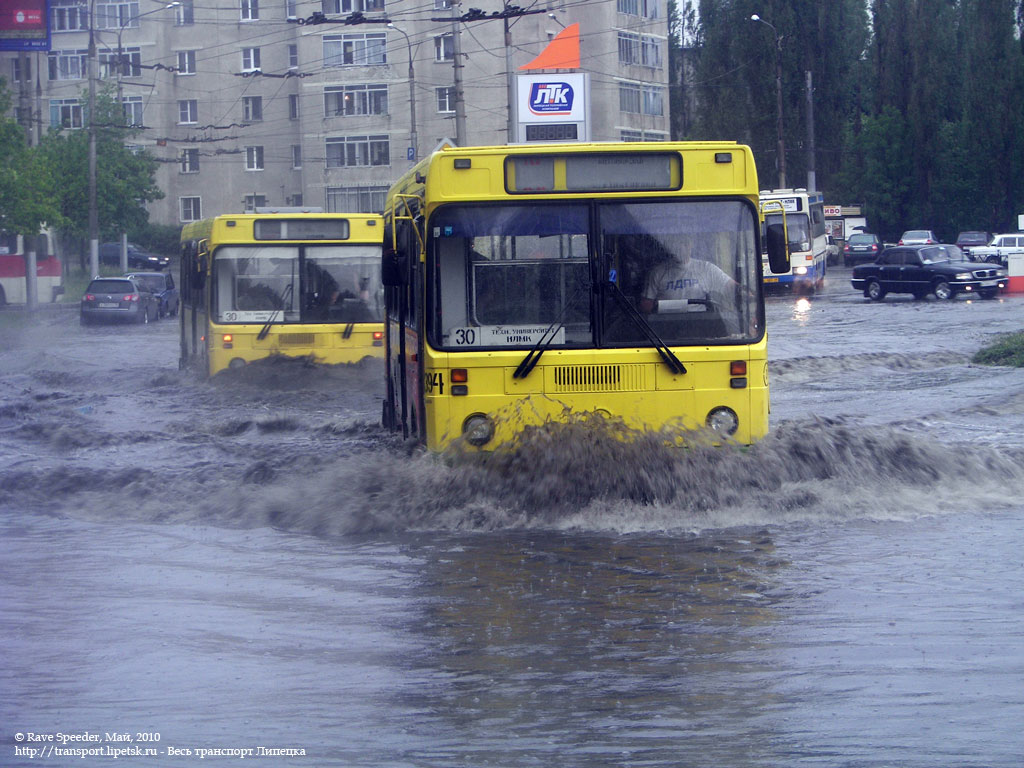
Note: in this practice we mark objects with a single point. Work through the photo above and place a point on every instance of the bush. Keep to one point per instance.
(1009, 350)
(157, 238)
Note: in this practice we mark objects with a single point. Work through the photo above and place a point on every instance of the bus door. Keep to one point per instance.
(401, 273)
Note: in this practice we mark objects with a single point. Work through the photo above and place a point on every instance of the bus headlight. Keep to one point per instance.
(723, 420)
(478, 429)
(799, 270)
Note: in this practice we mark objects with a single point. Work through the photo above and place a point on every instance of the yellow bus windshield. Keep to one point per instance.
(297, 284)
(504, 276)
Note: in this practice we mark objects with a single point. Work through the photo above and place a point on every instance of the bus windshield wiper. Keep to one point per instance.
(285, 299)
(673, 362)
(533, 356)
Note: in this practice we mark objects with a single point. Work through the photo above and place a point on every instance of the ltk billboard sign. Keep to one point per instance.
(550, 104)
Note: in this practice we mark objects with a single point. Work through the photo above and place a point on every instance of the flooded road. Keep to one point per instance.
(251, 564)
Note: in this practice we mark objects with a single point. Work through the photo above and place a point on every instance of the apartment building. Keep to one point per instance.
(251, 103)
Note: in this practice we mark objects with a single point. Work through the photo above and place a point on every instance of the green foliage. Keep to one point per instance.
(918, 104)
(27, 188)
(125, 177)
(158, 238)
(1008, 350)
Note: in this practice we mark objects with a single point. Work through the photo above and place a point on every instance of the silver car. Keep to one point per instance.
(918, 237)
(118, 299)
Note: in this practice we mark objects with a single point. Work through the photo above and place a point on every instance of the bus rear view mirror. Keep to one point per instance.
(393, 269)
(778, 254)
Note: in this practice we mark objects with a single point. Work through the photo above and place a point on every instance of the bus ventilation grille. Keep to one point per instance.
(599, 378)
(301, 339)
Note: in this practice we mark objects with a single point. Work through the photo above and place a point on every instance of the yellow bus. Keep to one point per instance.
(527, 283)
(299, 284)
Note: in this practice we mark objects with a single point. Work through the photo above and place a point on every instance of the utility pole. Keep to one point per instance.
(94, 225)
(460, 96)
(811, 180)
(778, 99)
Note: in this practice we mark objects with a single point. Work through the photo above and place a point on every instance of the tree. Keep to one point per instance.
(125, 176)
(28, 200)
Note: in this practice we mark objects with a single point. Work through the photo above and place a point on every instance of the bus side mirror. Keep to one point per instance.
(393, 269)
(778, 253)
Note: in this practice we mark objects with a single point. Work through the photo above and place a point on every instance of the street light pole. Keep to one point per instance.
(94, 227)
(778, 100)
(413, 141)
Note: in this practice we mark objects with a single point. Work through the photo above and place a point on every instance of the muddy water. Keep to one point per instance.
(251, 562)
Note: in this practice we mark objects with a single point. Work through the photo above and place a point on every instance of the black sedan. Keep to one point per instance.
(138, 258)
(924, 269)
(161, 285)
(117, 299)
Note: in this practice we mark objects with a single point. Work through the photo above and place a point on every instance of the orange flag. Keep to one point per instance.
(563, 52)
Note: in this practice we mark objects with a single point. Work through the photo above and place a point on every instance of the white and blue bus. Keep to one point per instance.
(804, 214)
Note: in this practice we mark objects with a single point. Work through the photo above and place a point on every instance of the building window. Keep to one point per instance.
(629, 48)
(188, 111)
(68, 16)
(293, 56)
(191, 208)
(184, 14)
(445, 98)
(250, 59)
(66, 113)
(130, 66)
(254, 158)
(626, 135)
(296, 200)
(629, 98)
(132, 110)
(356, 199)
(250, 10)
(647, 9)
(252, 108)
(190, 161)
(351, 6)
(293, 106)
(650, 51)
(252, 202)
(117, 15)
(291, 9)
(16, 74)
(186, 62)
(296, 155)
(67, 65)
(444, 47)
(355, 151)
(442, 5)
(355, 100)
(654, 100)
(356, 49)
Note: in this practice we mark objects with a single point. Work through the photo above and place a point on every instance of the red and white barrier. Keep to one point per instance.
(1015, 263)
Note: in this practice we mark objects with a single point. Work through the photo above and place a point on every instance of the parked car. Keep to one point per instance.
(860, 248)
(139, 258)
(161, 285)
(970, 240)
(118, 299)
(918, 237)
(1000, 249)
(924, 269)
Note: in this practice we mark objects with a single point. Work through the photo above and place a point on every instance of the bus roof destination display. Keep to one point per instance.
(300, 229)
(594, 172)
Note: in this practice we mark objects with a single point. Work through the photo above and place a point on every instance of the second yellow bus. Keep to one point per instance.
(297, 284)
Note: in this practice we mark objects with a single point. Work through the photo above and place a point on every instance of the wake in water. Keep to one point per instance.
(585, 476)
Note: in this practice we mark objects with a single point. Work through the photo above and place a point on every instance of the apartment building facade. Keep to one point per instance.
(251, 103)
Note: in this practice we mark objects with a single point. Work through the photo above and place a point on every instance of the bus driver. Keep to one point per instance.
(680, 276)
